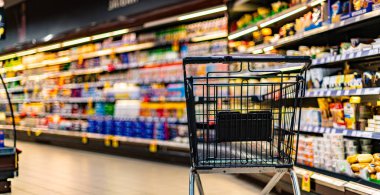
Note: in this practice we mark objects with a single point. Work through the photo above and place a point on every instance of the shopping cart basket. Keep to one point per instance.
(243, 120)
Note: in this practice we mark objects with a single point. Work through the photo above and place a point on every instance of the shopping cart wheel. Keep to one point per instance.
(195, 175)
(276, 178)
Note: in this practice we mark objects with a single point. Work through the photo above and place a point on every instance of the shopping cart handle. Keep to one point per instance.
(246, 58)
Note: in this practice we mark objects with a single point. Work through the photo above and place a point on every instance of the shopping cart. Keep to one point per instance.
(243, 120)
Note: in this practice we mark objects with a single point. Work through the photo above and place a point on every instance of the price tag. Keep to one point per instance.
(316, 129)
(333, 131)
(306, 184)
(359, 54)
(351, 55)
(339, 92)
(107, 85)
(354, 133)
(358, 133)
(343, 57)
(366, 134)
(338, 57)
(328, 93)
(309, 129)
(358, 91)
(153, 147)
(367, 91)
(344, 132)
(357, 19)
(328, 130)
(320, 93)
(115, 142)
(307, 93)
(323, 60)
(107, 141)
(322, 130)
(342, 23)
(84, 140)
(38, 133)
(85, 87)
(346, 92)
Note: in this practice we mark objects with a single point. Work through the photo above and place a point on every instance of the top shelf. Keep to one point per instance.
(273, 19)
(326, 28)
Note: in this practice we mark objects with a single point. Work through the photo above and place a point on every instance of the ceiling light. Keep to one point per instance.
(283, 16)
(209, 36)
(160, 22)
(76, 41)
(268, 48)
(27, 52)
(48, 37)
(119, 32)
(203, 13)
(257, 51)
(49, 47)
(6, 57)
(101, 36)
(243, 32)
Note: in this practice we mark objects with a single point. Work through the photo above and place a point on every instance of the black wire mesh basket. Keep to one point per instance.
(243, 117)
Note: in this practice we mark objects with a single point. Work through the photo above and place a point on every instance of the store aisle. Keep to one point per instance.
(55, 170)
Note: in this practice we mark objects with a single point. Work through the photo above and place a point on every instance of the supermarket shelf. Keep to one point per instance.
(302, 35)
(347, 183)
(337, 92)
(97, 70)
(272, 19)
(347, 56)
(177, 145)
(344, 132)
(172, 120)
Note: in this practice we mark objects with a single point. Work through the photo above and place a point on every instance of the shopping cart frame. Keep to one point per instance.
(278, 170)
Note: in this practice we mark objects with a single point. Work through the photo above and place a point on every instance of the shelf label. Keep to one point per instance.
(322, 130)
(115, 142)
(84, 140)
(343, 56)
(333, 131)
(366, 134)
(358, 91)
(351, 55)
(306, 184)
(344, 132)
(338, 57)
(153, 147)
(328, 93)
(346, 92)
(85, 87)
(359, 54)
(323, 60)
(339, 92)
(38, 133)
(107, 141)
(321, 93)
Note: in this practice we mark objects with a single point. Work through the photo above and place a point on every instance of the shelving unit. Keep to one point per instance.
(173, 148)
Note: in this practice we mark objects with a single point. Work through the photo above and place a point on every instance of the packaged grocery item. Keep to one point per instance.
(361, 7)
(349, 115)
(365, 158)
(337, 115)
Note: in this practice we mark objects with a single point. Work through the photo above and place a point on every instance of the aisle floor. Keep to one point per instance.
(46, 169)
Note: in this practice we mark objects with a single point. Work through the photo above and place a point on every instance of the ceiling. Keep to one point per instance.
(10, 3)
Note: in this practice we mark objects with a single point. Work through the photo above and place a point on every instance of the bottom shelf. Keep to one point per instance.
(118, 145)
(323, 182)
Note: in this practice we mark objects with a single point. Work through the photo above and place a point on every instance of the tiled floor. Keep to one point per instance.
(55, 170)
